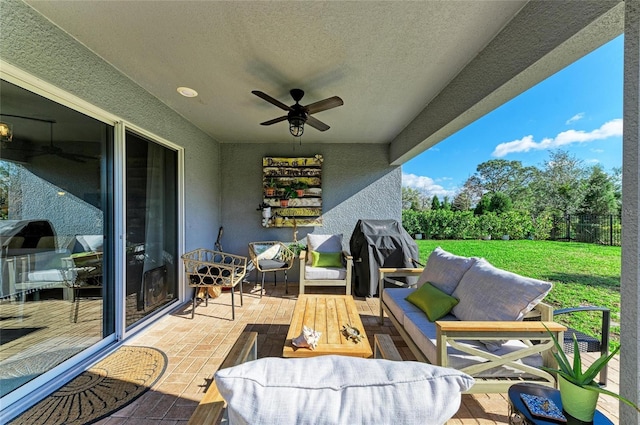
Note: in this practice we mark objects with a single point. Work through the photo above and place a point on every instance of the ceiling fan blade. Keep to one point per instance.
(323, 105)
(317, 124)
(271, 100)
(70, 157)
(275, 120)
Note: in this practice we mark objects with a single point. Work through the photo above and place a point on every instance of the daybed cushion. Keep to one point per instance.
(489, 293)
(432, 301)
(340, 390)
(444, 270)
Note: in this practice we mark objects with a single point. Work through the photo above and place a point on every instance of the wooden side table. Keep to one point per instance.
(520, 415)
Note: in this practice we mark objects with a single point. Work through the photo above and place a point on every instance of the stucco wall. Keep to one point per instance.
(33, 44)
(357, 182)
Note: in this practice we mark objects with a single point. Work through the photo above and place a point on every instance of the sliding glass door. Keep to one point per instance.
(151, 226)
(56, 296)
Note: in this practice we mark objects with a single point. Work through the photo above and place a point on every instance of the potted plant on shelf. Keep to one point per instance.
(289, 193)
(270, 187)
(578, 390)
(299, 186)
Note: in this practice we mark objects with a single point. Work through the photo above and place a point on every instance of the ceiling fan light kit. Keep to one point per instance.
(299, 115)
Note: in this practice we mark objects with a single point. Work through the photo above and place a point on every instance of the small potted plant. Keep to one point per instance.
(578, 390)
(299, 187)
(288, 193)
(270, 187)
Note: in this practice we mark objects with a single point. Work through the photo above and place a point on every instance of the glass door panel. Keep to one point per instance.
(56, 298)
(151, 224)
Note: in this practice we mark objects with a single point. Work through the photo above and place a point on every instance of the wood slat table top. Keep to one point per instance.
(327, 314)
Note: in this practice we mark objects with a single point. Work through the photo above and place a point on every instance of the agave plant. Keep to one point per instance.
(574, 374)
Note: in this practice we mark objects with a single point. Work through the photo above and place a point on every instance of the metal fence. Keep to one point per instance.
(600, 229)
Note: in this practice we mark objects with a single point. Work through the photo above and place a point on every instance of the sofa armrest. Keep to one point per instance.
(453, 332)
(211, 408)
(387, 272)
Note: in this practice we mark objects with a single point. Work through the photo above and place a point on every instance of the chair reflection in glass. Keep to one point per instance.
(271, 256)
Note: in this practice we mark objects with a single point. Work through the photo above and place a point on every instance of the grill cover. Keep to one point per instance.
(379, 243)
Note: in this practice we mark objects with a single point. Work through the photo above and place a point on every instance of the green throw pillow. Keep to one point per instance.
(435, 303)
(326, 259)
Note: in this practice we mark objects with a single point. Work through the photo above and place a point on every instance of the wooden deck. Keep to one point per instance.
(196, 347)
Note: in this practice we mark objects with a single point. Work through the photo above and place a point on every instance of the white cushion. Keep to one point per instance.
(324, 243)
(423, 333)
(90, 243)
(444, 270)
(489, 293)
(266, 251)
(340, 390)
(324, 273)
(395, 300)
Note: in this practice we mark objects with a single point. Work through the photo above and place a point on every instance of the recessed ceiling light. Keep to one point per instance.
(187, 92)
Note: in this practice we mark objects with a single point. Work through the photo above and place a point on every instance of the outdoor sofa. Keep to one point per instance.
(474, 317)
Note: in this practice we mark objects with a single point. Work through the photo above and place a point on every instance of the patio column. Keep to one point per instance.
(630, 280)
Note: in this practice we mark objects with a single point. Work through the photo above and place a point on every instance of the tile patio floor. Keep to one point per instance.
(196, 347)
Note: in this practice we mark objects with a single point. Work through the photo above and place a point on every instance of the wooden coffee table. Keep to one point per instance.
(327, 314)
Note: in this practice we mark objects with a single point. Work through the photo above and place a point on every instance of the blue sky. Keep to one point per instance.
(578, 109)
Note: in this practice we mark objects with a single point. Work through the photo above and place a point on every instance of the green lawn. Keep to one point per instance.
(582, 274)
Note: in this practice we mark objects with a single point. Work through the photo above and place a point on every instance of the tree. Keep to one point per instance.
(435, 203)
(446, 205)
(562, 183)
(461, 202)
(500, 203)
(484, 206)
(600, 196)
(413, 199)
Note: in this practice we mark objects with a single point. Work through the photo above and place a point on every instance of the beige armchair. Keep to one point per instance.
(325, 263)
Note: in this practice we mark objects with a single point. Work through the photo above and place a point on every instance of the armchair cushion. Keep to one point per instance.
(435, 303)
(340, 389)
(326, 259)
(324, 273)
(323, 243)
(445, 270)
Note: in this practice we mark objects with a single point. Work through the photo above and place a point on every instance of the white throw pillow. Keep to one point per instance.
(340, 390)
(444, 270)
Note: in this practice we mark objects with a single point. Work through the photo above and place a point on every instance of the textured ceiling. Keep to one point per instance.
(386, 60)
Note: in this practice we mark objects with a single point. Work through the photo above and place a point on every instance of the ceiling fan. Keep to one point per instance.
(51, 149)
(298, 114)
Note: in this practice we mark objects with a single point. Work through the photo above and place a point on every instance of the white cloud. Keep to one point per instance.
(597, 150)
(425, 185)
(612, 128)
(576, 117)
(592, 161)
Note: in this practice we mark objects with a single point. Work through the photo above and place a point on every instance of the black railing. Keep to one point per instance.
(600, 229)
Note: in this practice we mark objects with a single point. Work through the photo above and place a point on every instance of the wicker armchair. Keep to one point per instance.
(271, 256)
(206, 268)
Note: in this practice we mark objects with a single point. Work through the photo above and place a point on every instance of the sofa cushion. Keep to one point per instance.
(395, 300)
(435, 303)
(488, 293)
(326, 259)
(340, 390)
(423, 334)
(444, 270)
